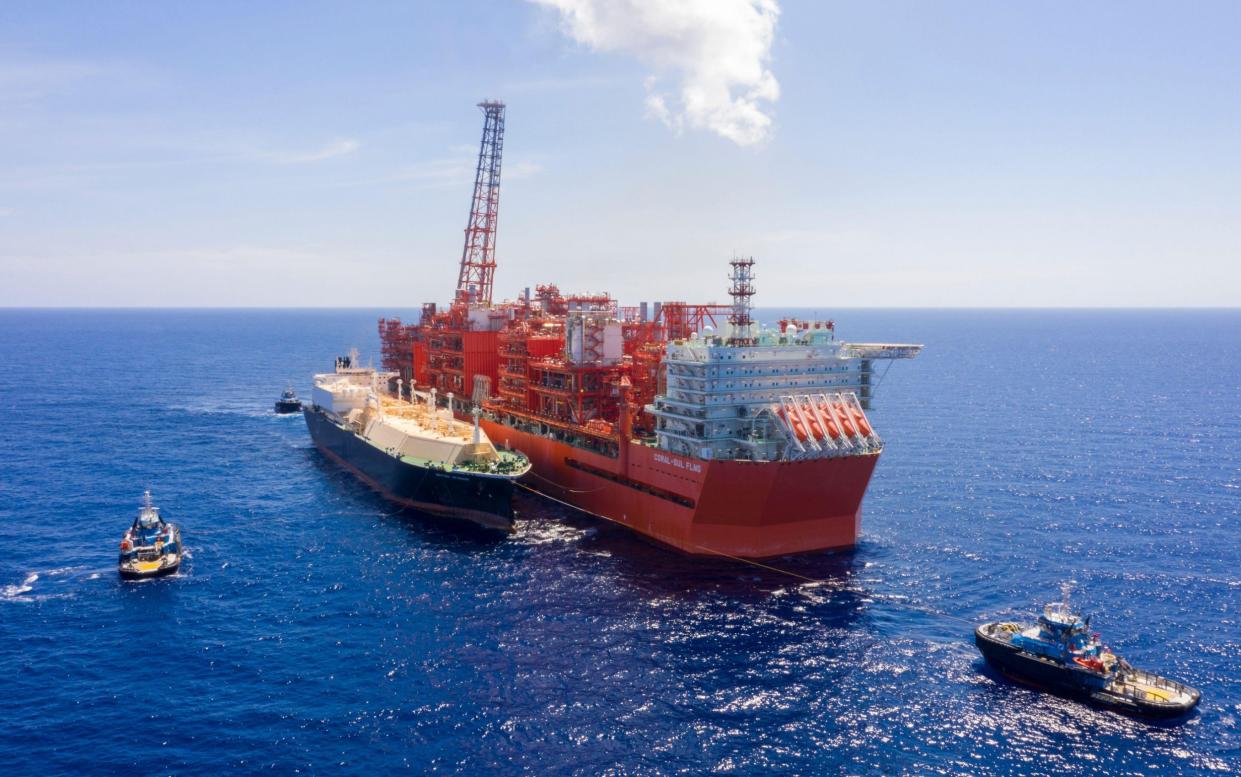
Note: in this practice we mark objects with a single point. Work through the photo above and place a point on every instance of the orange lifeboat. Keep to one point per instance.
(799, 429)
(792, 423)
(599, 426)
(815, 428)
(863, 425)
(846, 423)
(832, 428)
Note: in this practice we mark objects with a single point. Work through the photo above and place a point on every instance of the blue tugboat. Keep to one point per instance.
(1059, 654)
(151, 547)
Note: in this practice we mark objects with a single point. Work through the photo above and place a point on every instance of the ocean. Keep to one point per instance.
(315, 629)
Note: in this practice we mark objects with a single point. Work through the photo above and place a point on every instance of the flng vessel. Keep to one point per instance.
(412, 452)
(689, 423)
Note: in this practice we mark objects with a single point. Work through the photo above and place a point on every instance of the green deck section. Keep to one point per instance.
(511, 463)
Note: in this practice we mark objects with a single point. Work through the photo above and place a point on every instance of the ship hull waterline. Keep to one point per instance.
(480, 499)
(744, 509)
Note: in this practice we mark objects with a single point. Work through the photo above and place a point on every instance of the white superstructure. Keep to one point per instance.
(785, 394)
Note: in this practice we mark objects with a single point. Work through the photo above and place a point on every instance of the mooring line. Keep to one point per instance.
(752, 562)
(764, 566)
(564, 488)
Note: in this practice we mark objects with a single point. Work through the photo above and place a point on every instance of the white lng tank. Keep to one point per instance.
(409, 429)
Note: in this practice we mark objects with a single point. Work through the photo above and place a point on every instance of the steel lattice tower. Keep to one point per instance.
(478, 259)
(742, 289)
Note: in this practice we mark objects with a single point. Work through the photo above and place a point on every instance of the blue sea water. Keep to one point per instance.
(315, 629)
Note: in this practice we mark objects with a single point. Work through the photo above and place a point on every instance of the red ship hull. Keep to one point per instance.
(733, 508)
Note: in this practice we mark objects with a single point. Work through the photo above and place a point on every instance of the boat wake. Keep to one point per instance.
(545, 532)
(16, 591)
(217, 409)
(55, 583)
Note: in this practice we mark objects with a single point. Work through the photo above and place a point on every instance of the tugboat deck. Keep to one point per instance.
(1151, 688)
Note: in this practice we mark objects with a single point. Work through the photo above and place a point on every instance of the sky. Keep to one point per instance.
(923, 153)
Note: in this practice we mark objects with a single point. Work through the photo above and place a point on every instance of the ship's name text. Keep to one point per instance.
(678, 463)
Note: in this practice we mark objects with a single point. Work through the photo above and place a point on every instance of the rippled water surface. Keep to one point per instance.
(314, 628)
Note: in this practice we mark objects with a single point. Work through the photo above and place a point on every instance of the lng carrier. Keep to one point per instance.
(688, 423)
(411, 451)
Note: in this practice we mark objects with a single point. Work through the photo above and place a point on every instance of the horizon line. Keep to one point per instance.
(103, 308)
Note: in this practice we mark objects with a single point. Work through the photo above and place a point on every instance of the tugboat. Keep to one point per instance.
(151, 547)
(1059, 654)
(288, 402)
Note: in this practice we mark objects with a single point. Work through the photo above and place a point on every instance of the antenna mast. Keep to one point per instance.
(478, 259)
(743, 288)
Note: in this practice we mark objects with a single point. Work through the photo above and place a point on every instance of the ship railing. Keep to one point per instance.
(1136, 693)
(1163, 682)
(1146, 678)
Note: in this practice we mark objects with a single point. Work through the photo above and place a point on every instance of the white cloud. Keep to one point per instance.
(32, 78)
(231, 275)
(35, 79)
(521, 169)
(450, 172)
(334, 149)
(718, 53)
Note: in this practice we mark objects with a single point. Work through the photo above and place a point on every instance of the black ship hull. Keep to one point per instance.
(1071, 682)
(287, 406)
(486, 500)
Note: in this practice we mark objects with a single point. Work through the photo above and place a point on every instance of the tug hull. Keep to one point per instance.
(146, 572)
